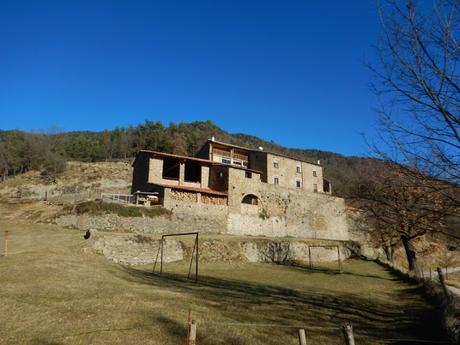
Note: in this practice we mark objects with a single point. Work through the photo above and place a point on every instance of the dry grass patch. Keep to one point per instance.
(55, 290)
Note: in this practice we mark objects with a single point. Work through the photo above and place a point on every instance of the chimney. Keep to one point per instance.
(213, 138)
(319, 162)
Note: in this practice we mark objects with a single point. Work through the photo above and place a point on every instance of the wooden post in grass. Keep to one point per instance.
(309, 257)
(192, 333)
(5, 243)
(302, 337)
(443, 283)
(348, 334)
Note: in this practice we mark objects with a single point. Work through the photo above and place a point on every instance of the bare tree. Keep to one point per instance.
(403, 208)
(417, 79)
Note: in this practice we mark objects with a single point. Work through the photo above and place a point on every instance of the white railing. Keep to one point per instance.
(118, 198)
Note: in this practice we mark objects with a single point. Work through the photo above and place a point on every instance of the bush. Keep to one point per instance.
(53, 165)
(99, 208)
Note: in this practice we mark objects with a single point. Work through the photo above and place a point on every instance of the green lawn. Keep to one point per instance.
(54, 290)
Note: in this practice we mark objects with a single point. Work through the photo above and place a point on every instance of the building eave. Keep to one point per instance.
(192, 189)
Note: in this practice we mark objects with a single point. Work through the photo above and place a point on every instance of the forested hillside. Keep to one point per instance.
(23, 151)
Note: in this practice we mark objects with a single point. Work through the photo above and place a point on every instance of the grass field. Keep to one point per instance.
(55, 290)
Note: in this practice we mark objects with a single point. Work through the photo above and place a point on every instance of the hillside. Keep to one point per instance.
(78, 181)
(47, 152)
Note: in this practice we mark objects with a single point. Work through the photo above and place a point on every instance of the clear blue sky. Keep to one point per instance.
(288, 71)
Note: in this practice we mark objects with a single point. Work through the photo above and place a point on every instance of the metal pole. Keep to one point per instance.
(338, 258)
(196, 257)
(191, 259)
(156, 258)
(161, 259)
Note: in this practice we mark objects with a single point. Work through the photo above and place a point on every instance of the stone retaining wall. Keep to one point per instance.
(178, 222)
(136, 249)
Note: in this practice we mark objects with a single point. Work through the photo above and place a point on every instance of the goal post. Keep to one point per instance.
(195, 253)
(330, 246)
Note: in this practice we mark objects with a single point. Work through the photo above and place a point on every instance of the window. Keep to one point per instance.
(315, 188)
(237, 162)
(226, 161)
(276, 180)
(298, 169)
(276, 165)
(298, 184)
(314, 173)
(248, 174)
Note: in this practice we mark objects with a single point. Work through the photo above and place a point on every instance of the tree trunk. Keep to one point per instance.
(411, 256)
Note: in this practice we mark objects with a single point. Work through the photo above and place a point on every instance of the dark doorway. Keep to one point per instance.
(250, 199)
(192, 171)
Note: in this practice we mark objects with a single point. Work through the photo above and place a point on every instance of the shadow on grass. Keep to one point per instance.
(333, 272)
(321, 313)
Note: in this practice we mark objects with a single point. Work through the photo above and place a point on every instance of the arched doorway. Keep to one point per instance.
(250, 199)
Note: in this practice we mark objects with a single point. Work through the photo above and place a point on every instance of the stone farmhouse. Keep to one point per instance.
(242, 191)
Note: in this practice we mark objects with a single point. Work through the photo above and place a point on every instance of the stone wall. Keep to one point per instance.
(291, 251)
(135, 249)
(185, 218)
(155, 170)
(283, 211)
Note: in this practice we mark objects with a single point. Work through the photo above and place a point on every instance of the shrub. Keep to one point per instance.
(99, 207)
(264, 214)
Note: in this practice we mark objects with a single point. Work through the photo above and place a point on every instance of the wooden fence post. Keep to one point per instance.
(348, 334)
(309, 257)
(192, 333)
(443, 282)
(302, 337)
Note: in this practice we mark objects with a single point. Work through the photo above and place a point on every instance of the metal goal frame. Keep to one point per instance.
(195, 253)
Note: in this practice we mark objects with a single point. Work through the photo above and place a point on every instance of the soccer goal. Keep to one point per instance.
(195, 253)
(335, 247)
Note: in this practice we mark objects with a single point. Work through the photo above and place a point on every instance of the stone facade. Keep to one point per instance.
(244, 192)
(283, 211)
(290, 173)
